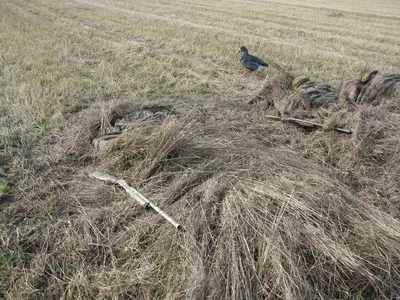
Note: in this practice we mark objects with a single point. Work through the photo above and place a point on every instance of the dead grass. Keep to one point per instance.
(270, 211)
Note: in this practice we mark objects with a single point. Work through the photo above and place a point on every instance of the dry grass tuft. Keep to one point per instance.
(270, 211)
(260, 222)
(275, 86)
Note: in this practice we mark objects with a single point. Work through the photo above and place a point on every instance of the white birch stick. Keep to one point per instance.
(135, 195)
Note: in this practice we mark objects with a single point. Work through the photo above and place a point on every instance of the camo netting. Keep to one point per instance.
(380, 89)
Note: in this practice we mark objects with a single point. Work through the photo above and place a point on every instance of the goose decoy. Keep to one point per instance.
(251, 62)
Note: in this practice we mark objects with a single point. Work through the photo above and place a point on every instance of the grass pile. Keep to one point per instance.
(276, 85)
(270, 211)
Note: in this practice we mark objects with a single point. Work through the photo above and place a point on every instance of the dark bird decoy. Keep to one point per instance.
(251, 62)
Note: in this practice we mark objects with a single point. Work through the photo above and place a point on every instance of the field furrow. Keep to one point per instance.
(152, 92)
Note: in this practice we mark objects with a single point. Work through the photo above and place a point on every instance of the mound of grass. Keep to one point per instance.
(270, 211)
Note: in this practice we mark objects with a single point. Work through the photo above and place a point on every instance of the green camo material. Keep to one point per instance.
(298, 81)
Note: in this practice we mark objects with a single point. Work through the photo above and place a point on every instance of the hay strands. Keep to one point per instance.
(304, 123)
(147, 204)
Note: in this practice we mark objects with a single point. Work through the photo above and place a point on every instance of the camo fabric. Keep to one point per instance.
(381, 88)
(349, 92)
(311, 95)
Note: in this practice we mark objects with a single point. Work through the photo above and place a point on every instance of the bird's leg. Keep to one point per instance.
(244, 72)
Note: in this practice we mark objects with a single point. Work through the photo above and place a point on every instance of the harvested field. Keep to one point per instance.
(269, 210)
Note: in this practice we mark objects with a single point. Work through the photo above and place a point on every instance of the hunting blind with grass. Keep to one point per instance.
(136, 162)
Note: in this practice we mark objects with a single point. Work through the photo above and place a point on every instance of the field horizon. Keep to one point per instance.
(269, 210)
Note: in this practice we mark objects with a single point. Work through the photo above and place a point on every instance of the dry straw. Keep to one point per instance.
(317, 219)
(271, 211)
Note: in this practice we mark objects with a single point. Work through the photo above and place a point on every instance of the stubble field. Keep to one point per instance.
(270, 211)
